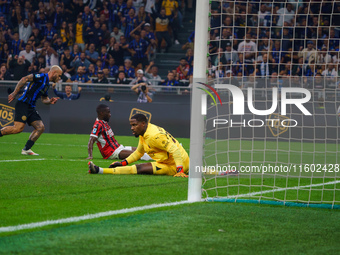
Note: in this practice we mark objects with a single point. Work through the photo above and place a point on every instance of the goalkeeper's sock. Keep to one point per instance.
(146, 157)
(121, 170)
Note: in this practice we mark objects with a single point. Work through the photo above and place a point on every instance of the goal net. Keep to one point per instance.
(270, 103)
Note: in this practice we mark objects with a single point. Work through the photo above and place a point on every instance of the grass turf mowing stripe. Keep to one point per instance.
(87, 217)
(135, 209)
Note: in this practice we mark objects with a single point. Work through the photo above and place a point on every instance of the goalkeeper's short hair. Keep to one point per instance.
(140, 117)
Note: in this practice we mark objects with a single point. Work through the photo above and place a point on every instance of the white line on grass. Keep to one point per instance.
(50, 144)
(136, 209)
(34, 159)
(282, 189)
(19, 160)
(87, 217)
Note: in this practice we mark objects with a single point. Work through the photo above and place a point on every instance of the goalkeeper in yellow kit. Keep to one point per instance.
(170, 157)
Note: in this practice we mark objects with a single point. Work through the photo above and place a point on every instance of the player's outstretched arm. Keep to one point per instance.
(92, 140)
(47, 100)
(19, 86)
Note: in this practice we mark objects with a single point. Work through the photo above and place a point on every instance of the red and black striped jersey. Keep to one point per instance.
(106, 141)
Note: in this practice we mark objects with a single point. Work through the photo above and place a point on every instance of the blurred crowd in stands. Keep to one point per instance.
(263, 42)
(252, 42)
(103, 41)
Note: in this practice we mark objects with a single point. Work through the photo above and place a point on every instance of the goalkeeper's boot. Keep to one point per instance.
(29, 152)
(93, 169)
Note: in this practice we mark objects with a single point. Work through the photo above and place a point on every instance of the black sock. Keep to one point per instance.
(28, 145)
(1, 134)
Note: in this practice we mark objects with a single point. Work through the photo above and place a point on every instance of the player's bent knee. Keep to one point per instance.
(41, 128)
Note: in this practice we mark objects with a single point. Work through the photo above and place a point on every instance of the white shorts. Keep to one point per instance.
(115, 154)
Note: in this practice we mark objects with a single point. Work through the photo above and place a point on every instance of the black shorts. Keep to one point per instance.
(25, 113)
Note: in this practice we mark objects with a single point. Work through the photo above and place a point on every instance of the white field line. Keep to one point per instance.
(135, 209)
(35, 159)
(87, 217)
(283, 189)
(49, 144)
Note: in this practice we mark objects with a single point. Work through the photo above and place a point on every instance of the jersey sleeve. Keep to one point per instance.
(137, 154)
(97, 129)
(37, 77)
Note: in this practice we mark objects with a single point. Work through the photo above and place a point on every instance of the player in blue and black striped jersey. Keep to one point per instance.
(25, 112)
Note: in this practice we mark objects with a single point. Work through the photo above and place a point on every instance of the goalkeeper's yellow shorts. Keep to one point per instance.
(169, 169)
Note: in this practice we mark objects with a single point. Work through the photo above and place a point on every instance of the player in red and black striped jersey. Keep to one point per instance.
(103, 135)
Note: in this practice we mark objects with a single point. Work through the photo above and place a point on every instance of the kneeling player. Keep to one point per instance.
(103, 135)
(170, 156)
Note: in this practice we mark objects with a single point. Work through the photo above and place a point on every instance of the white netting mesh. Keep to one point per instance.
(264, 45)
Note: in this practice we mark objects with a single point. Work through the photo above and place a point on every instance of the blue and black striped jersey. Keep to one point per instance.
(140, 47)
(35, 89)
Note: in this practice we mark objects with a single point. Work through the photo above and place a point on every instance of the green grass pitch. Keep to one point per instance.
(56, 185)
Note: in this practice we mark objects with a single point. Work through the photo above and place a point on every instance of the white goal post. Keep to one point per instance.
(197, 120)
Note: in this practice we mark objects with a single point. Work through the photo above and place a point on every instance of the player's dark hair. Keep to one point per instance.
(101, 108)
(140, 117)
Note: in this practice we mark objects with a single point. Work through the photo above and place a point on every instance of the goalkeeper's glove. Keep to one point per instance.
(121, 163)
(180, 172)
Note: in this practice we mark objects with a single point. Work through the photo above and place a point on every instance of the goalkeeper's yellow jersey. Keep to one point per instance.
(160, 146)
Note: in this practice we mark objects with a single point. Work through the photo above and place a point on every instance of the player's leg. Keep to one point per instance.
(128, 150)
(39, 128)
(10, 130)
(145, 168)
(163, 169)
